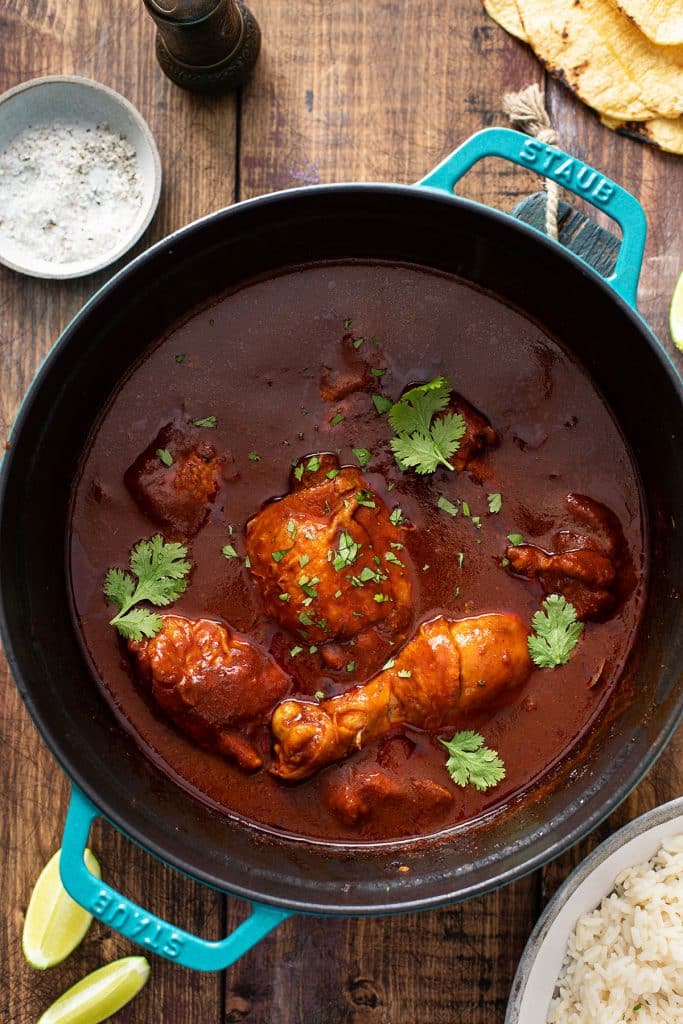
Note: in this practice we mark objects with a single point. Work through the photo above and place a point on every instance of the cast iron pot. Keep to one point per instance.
(424, 225)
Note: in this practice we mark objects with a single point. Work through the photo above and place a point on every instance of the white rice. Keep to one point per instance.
(624, 960)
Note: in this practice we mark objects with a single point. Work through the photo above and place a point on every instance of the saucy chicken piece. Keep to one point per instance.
(583, 567)
(218, 686)
(371, 794)
(329, 562)
(479, 434)
(176, 488)
(451, 666)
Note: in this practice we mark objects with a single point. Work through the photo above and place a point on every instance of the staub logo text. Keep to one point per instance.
(567, 171)
(131, 922)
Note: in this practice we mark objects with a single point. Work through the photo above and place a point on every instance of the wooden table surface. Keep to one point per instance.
(372, 90)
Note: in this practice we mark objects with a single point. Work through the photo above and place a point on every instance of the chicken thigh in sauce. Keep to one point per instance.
(329, 562)
(218, 687)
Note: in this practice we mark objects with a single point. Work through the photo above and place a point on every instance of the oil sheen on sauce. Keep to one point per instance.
(253, 359)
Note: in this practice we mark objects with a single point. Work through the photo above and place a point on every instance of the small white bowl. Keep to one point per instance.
(73, 100)
(587, 885)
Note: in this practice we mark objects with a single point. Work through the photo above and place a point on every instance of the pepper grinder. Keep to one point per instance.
(205, 45)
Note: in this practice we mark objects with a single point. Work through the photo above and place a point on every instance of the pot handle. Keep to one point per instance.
(131, 920)
(568, 171)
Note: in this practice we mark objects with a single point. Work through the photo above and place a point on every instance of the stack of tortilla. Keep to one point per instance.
(624, 58)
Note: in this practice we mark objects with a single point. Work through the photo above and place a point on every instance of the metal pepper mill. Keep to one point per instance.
(205, 45)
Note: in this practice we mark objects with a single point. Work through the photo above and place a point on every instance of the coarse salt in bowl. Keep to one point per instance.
(80, 177)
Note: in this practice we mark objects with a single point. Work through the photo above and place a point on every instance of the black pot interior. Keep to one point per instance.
(392, 223)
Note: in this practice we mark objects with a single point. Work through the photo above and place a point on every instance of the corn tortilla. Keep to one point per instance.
(505, 12)
(660, 20)
(604, 58)
(664, 132)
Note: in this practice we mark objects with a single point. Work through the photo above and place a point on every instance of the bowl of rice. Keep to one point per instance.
(608, 948)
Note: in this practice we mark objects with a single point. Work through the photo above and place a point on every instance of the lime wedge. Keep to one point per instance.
(54, 923)
(676, 314)
(100, 994)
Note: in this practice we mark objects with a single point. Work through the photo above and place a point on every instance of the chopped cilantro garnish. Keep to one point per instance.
(160, 569)
(404, 673)
(304, 560)
(180, 357)
(515, 539)
(460, 559)
(319, 695)
(389, 556)
(285, 597)
(381, 598)
(556, 632)
(350, 666)
(447, 506)
(376, 371)
(423, 443)
(247, 562)
(465, 509)
(254, 457)
(291, 528)
(296, 650)
(337, 418)
(365, 498)
(495, 502)
(164, 456)
(207, 421)
(305, 619)
(347, 323)
(313, 464)
(312, 649)
(389, 664)
(397, 518)
(357, 342)
(332, 473)
(229, 552)
(382, 404)
(347, 552)
(470, 761)
(363, 456)
(279, 555)
(476, 522)
(299, 473)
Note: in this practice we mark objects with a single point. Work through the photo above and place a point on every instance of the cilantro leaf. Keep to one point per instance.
(363, 456)
(447, 433)
(381, 403)
(161, 569)
(415, 451)
(447, 506)
(164, 456)
(422, 442)
(556, 632)
(470, 761)
(414, 410)
(139, 623)
(495, 502)
(207, 421)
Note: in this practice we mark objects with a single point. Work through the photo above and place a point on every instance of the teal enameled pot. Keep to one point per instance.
(424, 224)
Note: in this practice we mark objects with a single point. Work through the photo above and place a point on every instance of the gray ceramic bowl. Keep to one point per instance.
(588, 884)
(79, 101)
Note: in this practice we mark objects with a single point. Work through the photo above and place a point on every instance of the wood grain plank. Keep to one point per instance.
(112, 43)
(376, 91)
(428, 968)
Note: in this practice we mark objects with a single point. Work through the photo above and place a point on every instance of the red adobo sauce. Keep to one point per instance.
(285, 365)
